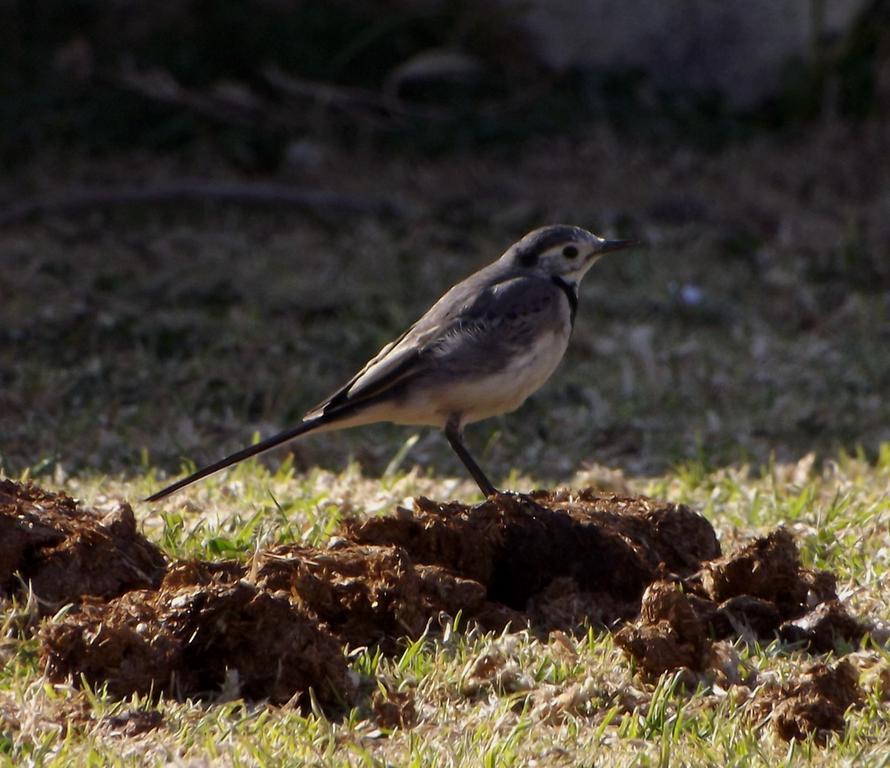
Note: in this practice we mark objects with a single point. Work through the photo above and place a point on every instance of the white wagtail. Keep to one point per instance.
(479, 351)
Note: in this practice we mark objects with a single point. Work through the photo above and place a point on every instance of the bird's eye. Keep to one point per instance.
(570, 252)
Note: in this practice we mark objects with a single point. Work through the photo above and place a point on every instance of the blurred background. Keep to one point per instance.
(212, 212)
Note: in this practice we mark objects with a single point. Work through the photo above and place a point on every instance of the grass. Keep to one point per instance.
(561, 700)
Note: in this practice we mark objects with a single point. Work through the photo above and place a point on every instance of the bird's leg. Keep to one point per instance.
(454, 433)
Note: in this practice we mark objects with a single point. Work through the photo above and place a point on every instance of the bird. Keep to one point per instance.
(486, 345)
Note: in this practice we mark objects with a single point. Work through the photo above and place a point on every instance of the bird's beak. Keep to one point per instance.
(607, 246)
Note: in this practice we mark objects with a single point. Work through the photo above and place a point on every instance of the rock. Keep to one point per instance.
(738, 50)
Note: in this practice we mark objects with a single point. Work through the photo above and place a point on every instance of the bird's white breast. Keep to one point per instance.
(507, 389)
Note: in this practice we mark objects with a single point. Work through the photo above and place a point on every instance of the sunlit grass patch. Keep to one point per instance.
(478, 699)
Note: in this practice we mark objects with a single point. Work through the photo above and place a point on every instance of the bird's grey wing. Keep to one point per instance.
(504, 321)
(472, 311)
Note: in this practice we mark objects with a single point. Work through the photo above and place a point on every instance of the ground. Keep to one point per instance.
(735, 364)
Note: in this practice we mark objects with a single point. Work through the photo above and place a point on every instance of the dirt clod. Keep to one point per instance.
(747, 594)
(192, 640)
(823, 627)
(66, 552)
(767, 568)
(815, 704)
(669, 634)
(763, 590)
(367, 594)
(517, 546)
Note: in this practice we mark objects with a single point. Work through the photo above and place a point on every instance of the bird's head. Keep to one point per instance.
(561, 251)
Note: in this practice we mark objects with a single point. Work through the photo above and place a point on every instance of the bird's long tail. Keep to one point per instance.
(244, 453)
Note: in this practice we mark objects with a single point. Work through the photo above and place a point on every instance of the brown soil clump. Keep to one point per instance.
(517, 546)
(193, 639)
(814, 704)
(274, 627)
(759, 592)
(669, 635)
(769, 568)
(822, 628)
(754, 593)
(65, 552)
(367, 594)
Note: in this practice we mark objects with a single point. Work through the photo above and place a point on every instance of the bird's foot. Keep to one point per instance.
(516, 498)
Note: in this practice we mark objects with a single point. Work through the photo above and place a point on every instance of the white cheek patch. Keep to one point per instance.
(574, 276)
(586, 264)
